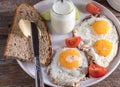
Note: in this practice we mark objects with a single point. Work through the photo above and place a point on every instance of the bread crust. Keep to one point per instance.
(34, 16)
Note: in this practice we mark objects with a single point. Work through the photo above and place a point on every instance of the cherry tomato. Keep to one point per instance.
(91, 8)
(72, 42)
(97, 71)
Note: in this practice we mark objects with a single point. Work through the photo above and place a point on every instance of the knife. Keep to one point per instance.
(35, 45)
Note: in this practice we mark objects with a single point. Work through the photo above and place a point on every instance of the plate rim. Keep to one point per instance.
(102, 78)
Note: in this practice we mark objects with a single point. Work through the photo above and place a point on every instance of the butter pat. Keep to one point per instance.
(39, 31)
(25, 27)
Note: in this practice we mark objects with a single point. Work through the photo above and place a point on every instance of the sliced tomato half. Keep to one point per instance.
(92, 9)
(72, 42)
(97, 71)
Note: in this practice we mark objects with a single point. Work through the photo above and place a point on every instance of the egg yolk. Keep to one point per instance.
(101, 27)
(103, 47)
(70, 59)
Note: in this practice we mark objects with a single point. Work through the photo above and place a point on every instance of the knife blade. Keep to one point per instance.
(35, 45)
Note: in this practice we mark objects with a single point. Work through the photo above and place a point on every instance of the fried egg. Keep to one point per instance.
(68, 67)
(103, 51)
(99, 39)
(94, 27)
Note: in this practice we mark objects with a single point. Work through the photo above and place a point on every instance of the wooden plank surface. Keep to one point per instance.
(11, 75)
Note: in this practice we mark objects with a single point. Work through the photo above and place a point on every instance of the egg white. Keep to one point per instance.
(63, 76)
(89, 37)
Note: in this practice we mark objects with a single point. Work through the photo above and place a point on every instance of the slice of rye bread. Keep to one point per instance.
(20, 47)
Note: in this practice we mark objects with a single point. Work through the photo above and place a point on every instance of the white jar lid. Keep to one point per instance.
(114, 4)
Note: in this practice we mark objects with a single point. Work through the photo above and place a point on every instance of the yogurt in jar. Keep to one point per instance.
(63, 17)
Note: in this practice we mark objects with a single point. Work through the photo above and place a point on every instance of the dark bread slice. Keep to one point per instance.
(18, 46)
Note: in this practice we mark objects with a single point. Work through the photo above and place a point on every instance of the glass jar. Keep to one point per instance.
(63, 16)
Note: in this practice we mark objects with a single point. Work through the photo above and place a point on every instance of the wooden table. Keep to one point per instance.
(11, 74)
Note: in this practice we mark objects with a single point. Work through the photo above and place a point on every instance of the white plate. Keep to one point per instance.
(57, 41)
(115, 4)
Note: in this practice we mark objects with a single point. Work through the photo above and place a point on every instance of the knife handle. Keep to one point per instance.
(39, 79)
